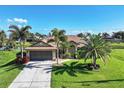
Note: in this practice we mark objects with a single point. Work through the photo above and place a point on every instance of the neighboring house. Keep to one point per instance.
(47, 51)
(110, 38)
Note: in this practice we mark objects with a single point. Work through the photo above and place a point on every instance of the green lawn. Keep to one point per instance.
(110, 75)
(117, 45)
(8, 69)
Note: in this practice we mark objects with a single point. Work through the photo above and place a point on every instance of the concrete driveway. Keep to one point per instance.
(36, 74)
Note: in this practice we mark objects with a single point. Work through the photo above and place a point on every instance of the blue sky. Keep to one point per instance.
(74, 19)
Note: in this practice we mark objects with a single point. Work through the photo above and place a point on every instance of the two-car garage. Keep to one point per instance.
(41, 51)
(40, 55)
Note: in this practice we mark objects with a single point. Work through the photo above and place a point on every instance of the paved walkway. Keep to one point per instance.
(34, 75)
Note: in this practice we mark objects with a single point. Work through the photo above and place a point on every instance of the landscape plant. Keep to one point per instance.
(58, 37)
(2, 38)
(96, 47)
(20, 35)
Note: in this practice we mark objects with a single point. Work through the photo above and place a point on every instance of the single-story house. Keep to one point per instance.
(47, 51)
(41, 51)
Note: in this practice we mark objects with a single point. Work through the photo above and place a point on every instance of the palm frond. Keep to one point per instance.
(14, 27)
(61, 32)
(12, 31)
(96, 46)
(26, 28)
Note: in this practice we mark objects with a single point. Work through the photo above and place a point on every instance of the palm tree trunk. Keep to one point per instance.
(2, 44)
(63, 52)
(57, 53)
(66, 50)
(94, 61)
(21, 49)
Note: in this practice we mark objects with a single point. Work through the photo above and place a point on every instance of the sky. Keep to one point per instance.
(73, 19)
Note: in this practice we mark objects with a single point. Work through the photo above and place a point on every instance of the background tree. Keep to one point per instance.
(31, 37)
(105, 35)
(96, 47)
(40, 36)
(2, 38)
(83, 35)
(58, 37)
(19, 34)
(119, 35)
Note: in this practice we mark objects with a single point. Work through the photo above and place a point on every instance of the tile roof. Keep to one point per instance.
(43, 45)
(71, 38)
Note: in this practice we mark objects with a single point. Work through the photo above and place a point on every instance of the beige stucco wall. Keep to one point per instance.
(54, 54)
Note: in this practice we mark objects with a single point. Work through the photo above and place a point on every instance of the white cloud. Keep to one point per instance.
(17, 20)
(20, 20)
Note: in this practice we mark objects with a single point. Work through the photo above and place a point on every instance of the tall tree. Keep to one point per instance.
(11, 43)
(58, 37)
(96, 47)
(65, 47)
(19, 34)
(2, 38)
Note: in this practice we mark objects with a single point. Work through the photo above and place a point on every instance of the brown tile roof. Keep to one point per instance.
(41, 44)
(71, 38)
(74, 38)
(40, 48)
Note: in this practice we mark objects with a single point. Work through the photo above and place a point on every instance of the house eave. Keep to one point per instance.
(40, 48)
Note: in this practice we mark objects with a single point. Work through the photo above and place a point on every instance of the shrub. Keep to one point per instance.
(67, 55)
(80, 53)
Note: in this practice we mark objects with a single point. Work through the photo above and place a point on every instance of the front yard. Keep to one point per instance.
(8, 69)
(71, 74)
(110, 75)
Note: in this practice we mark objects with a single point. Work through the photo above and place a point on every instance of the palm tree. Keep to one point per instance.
(19, 34)
(96, 47)
(2, 38)
(65, 47)
(11, 43)
(58, 37)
